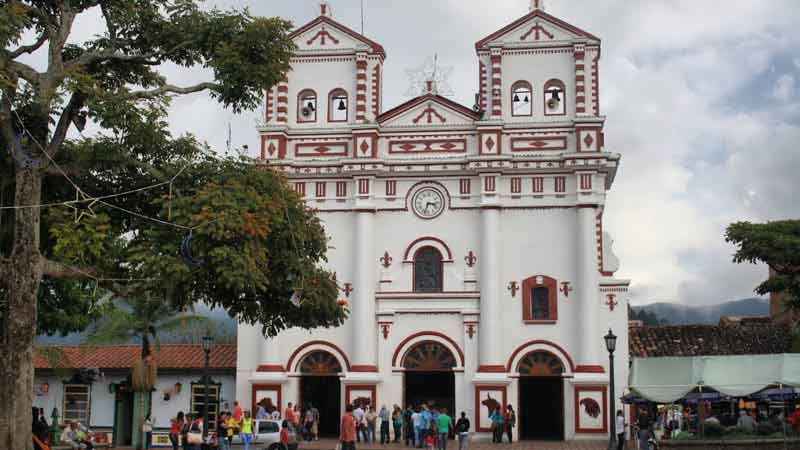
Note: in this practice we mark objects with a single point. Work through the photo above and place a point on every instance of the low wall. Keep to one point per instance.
(730, 444)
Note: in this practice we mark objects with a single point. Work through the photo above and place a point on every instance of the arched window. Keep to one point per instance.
(540, 363)
(539, 295)
(521, 99)
(555, 98)
(307, 106)
(428, 270)
(337, 106)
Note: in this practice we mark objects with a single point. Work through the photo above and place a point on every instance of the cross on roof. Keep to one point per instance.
(537, 4)
(324, 9)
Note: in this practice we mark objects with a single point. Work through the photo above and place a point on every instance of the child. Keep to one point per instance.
(285, 435)
(429, 441)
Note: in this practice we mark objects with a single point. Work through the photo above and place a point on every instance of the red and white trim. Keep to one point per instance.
(585, 180)
(596, 84)
(320, 189)
(579, 51)
(580, 395)
(376, 90)
(497, 82)
(283, 102)
(483, 83)
(489, 183)
(464, 186)
(300, 188)
(537, 185)
(269, 107)
(516, 185)
(361, 87)
(391, 188)
(364, 186)
(560, 184)
(341, 189)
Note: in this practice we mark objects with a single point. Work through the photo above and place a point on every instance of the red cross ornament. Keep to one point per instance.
(566, 288)
(611, 301)
(386, 260)
(348, 288)
(512, 286)
(470, 259)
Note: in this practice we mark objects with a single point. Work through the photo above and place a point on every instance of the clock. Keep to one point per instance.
(428, 203)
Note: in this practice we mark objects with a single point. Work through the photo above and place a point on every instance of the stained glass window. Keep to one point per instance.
(428, 270)
(540, 299)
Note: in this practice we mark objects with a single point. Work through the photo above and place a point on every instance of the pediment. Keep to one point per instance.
(428, 110)
(537, 27)
(326, 34)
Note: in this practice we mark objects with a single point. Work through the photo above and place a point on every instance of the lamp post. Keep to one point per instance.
(207, 341)
(611, 345)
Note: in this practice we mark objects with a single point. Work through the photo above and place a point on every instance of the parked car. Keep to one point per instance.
(267, 435)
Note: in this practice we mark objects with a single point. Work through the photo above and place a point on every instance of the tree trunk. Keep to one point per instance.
(17, 348)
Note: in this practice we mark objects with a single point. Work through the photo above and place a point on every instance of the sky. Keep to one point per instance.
(702, 99)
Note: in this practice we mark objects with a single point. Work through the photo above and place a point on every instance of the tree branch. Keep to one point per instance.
(56, 269)
(72, 108)
(25, 72)
(170, 89)
(30, 48)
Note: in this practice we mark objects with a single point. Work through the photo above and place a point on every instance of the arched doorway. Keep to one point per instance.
(320, 387)
(541, 396)
(429, 376)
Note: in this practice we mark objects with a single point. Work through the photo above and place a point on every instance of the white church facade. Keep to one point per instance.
(468, 241)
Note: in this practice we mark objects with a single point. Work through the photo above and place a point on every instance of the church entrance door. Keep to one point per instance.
(429, 377)
(320, 386)
(541, 397)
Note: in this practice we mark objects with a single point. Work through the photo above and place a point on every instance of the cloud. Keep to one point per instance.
(700, 98)
(784, 88)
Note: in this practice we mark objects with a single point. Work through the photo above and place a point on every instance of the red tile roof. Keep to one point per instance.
(172, 356)
(747, 338)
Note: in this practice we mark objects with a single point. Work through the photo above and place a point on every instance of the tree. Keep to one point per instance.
(776, 244)
(133, 209)
(146, 319)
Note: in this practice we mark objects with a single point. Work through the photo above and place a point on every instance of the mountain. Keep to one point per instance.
(678, 314)
(219, 325)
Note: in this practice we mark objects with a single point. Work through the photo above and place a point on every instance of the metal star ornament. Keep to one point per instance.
(430, 71)
(82, 206)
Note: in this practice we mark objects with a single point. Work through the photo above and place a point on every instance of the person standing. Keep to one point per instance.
(619, 428)
(372, 419)
(284, 435)
(358, 416)
(384, 416)
(147, 429)
(347, 429)
(462, 431)
(246, 432)
(510, 421)
(315, 425)
(425, 426)
(497, 426)
(408, 425)
(237, 411)
(261, 412)
(289, 414)
(444, 423)
(416, 422)
(397, 423)
(308, 424)
(175, 425)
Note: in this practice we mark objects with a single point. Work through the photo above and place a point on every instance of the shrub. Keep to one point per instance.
(713, 430)
(765, 429)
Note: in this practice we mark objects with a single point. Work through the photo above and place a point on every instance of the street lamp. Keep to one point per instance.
(207, 342)
(611, 345)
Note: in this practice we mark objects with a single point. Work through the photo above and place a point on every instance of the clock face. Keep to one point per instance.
(428, 203)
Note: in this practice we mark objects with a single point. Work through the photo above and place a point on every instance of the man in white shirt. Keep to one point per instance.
(358, 416)
(619, 428)
(416, 420)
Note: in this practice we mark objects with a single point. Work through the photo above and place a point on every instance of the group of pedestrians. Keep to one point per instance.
(419, 427)
(503, 423)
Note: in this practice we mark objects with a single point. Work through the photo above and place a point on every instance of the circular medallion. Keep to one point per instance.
(428, 202)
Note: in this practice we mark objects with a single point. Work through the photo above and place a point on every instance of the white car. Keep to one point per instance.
(267, 435)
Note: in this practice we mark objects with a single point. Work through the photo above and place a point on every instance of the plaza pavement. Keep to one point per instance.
(330, 444)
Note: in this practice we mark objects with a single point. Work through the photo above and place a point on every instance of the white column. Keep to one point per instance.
(365, 334)
(587, 286)
(489, 345)
(247, 338)
(269, 353)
